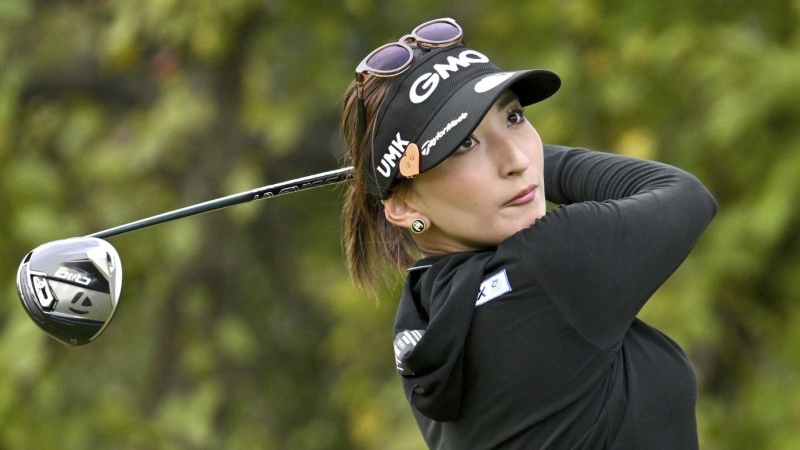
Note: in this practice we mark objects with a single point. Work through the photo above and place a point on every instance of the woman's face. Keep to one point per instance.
(487, 190)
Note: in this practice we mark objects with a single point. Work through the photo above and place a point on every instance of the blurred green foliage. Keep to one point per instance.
(240, 329)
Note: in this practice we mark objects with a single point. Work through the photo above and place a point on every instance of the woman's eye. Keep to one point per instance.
(468, 144)
(516, 116)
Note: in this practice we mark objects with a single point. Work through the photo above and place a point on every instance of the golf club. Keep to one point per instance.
(71, 287)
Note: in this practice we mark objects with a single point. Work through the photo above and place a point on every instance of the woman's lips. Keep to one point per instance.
(524, 196)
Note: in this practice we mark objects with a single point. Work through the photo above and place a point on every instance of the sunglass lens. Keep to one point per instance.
(389, 58)
(438, 32)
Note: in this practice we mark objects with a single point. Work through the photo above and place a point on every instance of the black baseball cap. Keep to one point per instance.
(432, 107)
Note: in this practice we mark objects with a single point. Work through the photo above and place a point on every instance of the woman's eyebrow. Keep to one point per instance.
(505, 100)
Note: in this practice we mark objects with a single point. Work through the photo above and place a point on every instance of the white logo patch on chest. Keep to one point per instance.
(493, 287)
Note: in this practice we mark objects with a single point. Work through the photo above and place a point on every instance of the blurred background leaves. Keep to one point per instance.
(239, 328)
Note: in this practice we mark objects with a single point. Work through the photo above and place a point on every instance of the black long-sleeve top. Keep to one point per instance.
(535, 343)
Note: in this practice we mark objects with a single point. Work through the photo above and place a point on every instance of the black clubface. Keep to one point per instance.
(70, 288)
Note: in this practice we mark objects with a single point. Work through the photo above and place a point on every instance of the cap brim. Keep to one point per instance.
(464, 111)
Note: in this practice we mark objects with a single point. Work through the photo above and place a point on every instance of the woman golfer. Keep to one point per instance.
(517, 328)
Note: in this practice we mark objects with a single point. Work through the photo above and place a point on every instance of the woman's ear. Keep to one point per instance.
(399, 211)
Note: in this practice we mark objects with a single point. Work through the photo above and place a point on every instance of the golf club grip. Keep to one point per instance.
(273, 190)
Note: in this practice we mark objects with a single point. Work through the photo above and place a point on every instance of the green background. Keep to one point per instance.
(240, 328)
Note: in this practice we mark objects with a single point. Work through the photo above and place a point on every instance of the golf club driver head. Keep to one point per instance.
(71, 287)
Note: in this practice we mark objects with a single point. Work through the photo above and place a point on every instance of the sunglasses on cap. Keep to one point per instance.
(394, 58)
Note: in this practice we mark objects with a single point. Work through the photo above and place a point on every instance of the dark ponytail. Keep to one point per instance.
(374, 248)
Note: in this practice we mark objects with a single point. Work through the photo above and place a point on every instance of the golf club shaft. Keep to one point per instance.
(286, 187)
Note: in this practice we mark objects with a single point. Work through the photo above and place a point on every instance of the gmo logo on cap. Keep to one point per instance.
(424, 86)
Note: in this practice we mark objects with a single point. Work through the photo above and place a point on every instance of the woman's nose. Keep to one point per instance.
(511, 157)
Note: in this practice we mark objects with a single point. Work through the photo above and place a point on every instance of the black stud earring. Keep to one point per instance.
(418, 226)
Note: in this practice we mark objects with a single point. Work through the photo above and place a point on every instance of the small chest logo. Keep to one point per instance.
(493, 287)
